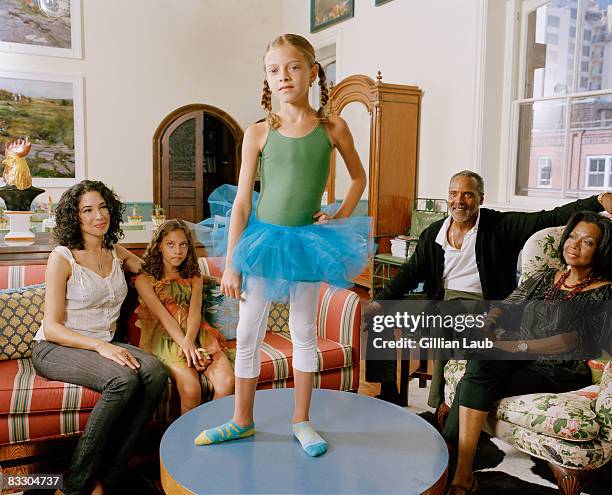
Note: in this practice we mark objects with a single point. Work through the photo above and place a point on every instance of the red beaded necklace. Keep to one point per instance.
(569, 294)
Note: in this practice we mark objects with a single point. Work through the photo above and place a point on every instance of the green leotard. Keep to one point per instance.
(293, 175)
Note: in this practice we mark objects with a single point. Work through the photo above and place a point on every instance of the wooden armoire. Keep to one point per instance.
(196, 148)
(394, 148)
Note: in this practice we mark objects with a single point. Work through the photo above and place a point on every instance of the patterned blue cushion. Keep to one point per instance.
(221, 312)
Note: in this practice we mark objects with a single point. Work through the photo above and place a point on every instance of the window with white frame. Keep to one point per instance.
(544, 171)
(598, 172)
(560, 100)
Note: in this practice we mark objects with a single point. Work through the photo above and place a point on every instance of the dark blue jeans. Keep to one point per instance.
(115, 423)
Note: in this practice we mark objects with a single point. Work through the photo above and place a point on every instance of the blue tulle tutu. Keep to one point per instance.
(335, 252)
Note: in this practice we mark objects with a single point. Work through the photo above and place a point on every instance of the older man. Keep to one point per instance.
(472, 254)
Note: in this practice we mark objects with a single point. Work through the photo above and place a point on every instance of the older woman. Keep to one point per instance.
(586, 249)
(85, 287)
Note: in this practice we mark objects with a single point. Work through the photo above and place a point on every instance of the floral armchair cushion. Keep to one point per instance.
(540, 252)
(453, 371)
(574, 416)
(569, 416)
(590, 454)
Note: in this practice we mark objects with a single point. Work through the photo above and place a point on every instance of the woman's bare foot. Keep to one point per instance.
(463, 486)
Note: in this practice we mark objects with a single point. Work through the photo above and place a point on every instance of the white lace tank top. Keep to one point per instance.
(92, 302)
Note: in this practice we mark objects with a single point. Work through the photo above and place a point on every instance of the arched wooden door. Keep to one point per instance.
(195, 149)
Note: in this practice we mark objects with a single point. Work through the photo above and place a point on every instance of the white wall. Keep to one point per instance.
(144, 58)
(430, 44)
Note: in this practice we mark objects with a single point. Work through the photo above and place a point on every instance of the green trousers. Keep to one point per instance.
(436, 388)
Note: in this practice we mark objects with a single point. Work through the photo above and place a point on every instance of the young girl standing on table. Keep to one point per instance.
(171, 319)
(289, 246)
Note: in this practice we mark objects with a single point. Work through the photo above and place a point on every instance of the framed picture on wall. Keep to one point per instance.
(48, 109)
(324, 13)
(41, 27)
(380, 2)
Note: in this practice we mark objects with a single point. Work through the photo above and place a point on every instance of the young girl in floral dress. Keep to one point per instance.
(171, 319)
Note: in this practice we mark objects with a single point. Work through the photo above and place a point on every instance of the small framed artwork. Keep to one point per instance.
(380, 2)
(48, 109)
(324, 13)
(41, 27)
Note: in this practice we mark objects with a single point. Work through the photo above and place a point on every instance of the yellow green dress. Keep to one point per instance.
(175, 295)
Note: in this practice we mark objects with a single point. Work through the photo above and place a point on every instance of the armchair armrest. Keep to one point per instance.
(339, 317)
(603, 405)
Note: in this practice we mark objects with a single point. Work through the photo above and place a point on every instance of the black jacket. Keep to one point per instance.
(499, 240)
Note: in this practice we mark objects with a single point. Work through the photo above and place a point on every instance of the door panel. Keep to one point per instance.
(182, 192)
(196, 149)
(184, 212)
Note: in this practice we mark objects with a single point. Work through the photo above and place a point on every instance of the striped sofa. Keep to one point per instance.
(37, 415)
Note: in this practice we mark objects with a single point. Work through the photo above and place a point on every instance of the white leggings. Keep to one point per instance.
(254, 310)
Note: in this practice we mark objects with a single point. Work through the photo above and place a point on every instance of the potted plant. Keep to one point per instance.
(158, 216)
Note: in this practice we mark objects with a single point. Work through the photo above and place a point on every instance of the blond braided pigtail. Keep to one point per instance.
(266, 103)
(322, 112)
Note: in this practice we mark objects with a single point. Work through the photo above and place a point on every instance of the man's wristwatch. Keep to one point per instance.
(601, 195)
(522, 346)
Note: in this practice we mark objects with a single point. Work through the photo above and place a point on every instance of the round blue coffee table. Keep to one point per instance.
(374, 447)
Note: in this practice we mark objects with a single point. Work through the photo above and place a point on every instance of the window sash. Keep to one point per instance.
(522, 10)
(606, 173)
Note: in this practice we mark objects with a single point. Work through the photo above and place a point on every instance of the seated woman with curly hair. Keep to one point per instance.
(565, 317)
(85, 287)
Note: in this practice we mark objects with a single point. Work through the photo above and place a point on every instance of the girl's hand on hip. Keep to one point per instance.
(231, 283)
(192, 355)
(321, 217)
(118, 354)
